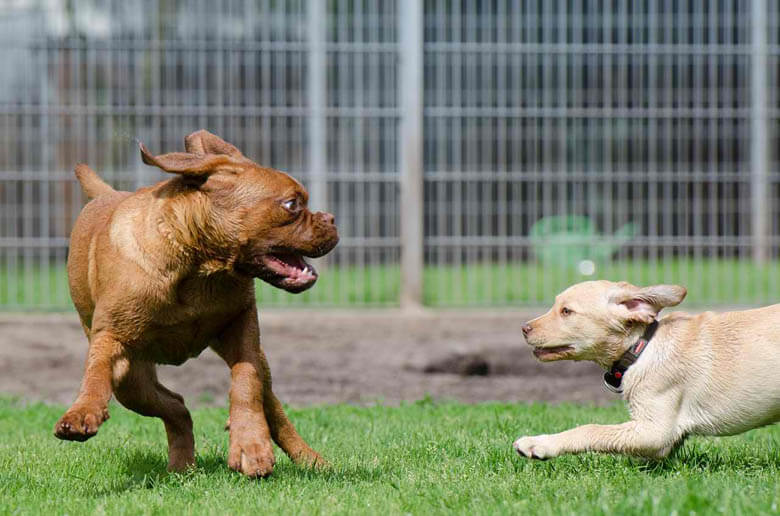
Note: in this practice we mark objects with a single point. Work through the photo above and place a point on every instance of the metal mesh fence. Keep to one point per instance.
(563, 140)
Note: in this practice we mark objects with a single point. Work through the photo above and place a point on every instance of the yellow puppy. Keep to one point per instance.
(706, 374)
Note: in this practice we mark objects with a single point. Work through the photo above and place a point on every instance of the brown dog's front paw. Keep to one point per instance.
(80, 423)
(252, 458)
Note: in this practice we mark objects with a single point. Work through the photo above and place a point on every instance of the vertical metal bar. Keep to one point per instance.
(358, 128)
(410, 139)
(317, 85)
(140, 57)
(547, 133)
(698, 89)
(606, 133)
(472, 92)
(654, 92)
(529, 133)
(666, 131)
(759, 152)
(773, 82)
(501, 274)
(28, 208)
(45, 185)
(715, 99)
(459, 153)
(730, 143)
(441, 157)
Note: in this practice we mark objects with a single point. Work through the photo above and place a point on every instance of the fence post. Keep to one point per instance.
(410, 148)
(759, 155)
(317, 85)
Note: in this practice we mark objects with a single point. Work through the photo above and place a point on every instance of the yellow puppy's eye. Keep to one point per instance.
(566, 311)
(291, 205)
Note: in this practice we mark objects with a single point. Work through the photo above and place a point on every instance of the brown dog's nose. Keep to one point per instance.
(328, 217)
(526, 329)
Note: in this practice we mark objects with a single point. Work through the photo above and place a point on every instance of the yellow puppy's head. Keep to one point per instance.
(591, 320)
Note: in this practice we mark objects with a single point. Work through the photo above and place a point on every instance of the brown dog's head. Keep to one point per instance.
(592, 320)
(254, 219)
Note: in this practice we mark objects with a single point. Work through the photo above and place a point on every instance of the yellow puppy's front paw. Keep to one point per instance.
(535, 447)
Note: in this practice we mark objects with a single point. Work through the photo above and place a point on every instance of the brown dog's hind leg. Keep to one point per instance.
(285, 434)
(137, 389)
(90, 410)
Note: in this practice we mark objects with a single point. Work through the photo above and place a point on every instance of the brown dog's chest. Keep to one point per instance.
(176, 331)
(178, 342)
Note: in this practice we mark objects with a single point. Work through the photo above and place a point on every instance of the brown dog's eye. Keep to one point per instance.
(291, 205)
(565, 311)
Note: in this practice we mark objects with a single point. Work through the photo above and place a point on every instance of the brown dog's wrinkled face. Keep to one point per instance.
(278, 231)
(258, 217)
(591, 320)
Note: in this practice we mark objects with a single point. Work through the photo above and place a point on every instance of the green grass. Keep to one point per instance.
(710, 282)
(419, 458)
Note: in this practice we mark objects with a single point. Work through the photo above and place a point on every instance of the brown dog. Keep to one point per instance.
(159, 274)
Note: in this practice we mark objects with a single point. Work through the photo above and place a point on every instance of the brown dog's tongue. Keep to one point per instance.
(295, 260)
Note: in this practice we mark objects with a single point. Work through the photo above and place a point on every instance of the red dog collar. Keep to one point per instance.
(613, 379)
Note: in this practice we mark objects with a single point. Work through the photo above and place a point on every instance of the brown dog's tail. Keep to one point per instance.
(91, 183)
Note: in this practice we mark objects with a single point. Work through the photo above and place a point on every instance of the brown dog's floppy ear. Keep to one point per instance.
(644, 304)
(185, 163)
(203, 142)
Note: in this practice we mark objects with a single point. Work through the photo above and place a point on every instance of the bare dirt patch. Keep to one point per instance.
(328, 357)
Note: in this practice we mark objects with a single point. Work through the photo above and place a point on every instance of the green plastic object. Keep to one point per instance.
(570, 239)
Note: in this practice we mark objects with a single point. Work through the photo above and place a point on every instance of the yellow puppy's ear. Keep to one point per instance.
(643, 304)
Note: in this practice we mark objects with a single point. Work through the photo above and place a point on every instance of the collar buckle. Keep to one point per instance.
(612, 384)
(613, 379)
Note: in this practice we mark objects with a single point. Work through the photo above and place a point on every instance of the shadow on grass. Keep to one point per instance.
(148, 470)
(691, 457)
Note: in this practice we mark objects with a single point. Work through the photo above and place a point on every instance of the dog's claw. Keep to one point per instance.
(311, 459)
(254, 460)
(532, 448)
(530, 455)
(79, 424)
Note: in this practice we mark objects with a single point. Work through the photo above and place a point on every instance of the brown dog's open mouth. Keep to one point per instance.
(288, 271)
(555, 353)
